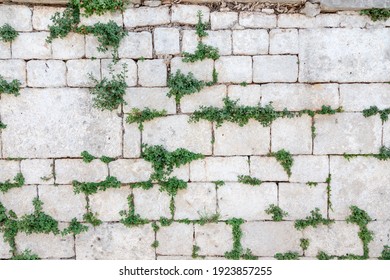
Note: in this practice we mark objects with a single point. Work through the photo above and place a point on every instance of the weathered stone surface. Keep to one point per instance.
(77, 78)
(73, 125)
(187, 14)
(145, 16)
(13, 69)
(267, 169)
(38, 171)
(46, 73)
(107, 204)
(67, 170)
(275, 68)
(61, 202)
(381, 230)
(198, 200)
(245, 201)
(202, 70)
(19, 17)
(234, 69)
(229, 139)
(357, 97)
(249, 95)
(223, 20)
(338, 239)
(344, 55)
(118, 67)
(175, 239)
(152, 204)
(70, 47)
(250, 42)
(302, 21)
(41, 18)
(136, 45)
(5, 50)
(175, 132)
(213, 239)
(182, 258)
(218, 168)
(257, 20)
(209, 96)
(311, 10)
(166, 41)
(360, 182)
(333, 5)
(283, 41)
(153, 98)
(21, 47)
(293, 135)
(296, 97)
(347, 133)
(152, 73)
(105, 18)
(299, 199)
(91, 48)
(9, 169)
(131, 141)
(268, 238)
(386, 134)
(309, 169)
(130, 170)
(116, 242)
(5, 249)
(19, 200)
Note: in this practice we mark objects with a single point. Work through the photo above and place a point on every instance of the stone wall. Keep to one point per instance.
(291, 61)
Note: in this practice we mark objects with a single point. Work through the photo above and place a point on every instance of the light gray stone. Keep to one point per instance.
(116, 242)
(9, 169)
(245, 201)
(131, 141)
(202, 70)
(250, 42)
(77, 78)
(217, 39)
(70, 47)
(309, 169)
(136, 45)
(61, 202)
(152, 204)
(283, 41)
(343, 55)
(19, 200)
(268, 238)
(41, 18)
(386, 133)
(13, 70)
(152, 73)
(130, 170)
(92, 51)
(187, 14)
(195, 202)
(73, 126)
(145, 16)
(301, 21)
(223, 20)
(153, 98)
(229, 139)
(209, 96)
(46, 73)
(357, 97)
(175, 132)
(257, 20)
(381, 230)
(267, 169)
(275, 68)
(166, 41)
(5, 249)
(332, 5)
(21, 47)
(347, 133)
(249, 95)
(67, 170)
(118, 68)
(218, 168)
(234, 69)
(38, 171)
(299, 199)
(175, 239)
(104, 18)
(18, 16)
(181, 258)
(213, 239)
(311, 10)
(5, 50)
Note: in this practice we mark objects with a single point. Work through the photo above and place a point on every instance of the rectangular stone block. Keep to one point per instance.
(268, 238)
(130, 170)
(197, 201)
(116, 242)
(46, 73)
(62, 203)
(136, 45)
(217, 39)
(208, 96)
(107, 204)
(152, 204)
(166, 41)
(104, 18)
(13, 70)
(357, 97)
(73, 126)
(234, 69)
(223, 20)
(146, 16)
(5, 50)
(19, 17)
(187, 14)
(249, 95)
(153, 98)
(275, 68)
(176, 239)
(21, 47)
(152, 73)
(267, 169)
(296, 20)
(347, 133)
(19, 200)
(213, 239)
(283, 41)
(299, 199)
(335, 5)
(9, 169)
(309, 169)
(67, 170)
(257, 20)
(41, 18)
(229, 139)
(247, 202)
(131, 141)
(78, 78)
(5, 249)
(296, 97)
(338, 55)
(91, 48)
(175, 132)
(360, 182)
(250, 42)
(381, 230)
(202, 70)
(38, 171)
(218, 168)
(118, 68)
(70, 47)
(337, 239)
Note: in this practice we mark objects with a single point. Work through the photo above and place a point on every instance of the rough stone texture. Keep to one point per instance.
(275, 68)
(309, 169)
(268, 238)
(21, 47)
(105, 18)
(130, 170)
(209, 96)
(152, 73)
(145, 16)
(347, 133)
(250, 42)
(257, 20)
(223, 20)
(175, 239)
(175, 132)
(332, 5)
(229, 140)
(67, 170)
(70, 206)
(302, 21)
(249, 95)
(234, 69)
(70, 47)
(46, 73)
(267, 169)
(118, 67)
(131, 141)
(367, 188)
(70, 110)
(136, 45)
(153, 98)
(19, 200)
(166, 41)
(19, 17)
(13, 70)
(338, 239)
(5, 50)
(91, 50)
(151, 204)
(9, 169)
(386, 134)
(115, 242)
(283, 41)
(38, 171)
(381, 230)
(4, 248)
(198, 200)
(77, 79)
(187, 14)
(357, 97)
(202, 70)
(41, 18)
(213, 239)
(217, 39)
(245, 201)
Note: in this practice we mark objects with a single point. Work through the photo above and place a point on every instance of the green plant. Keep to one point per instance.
(202, 52)
(385, 255)
(99, 7)
(312, 184)
(285, 159)
(12, 87)
(91, 218)
(26, 255)
(329, 193)
(304, 243)
(140, 116)
(247, 255)
(146, 185)
(200, 27)
(7, 185)
(8, 33)
(92, 187)
(180, 85)
(384, 153)
(276, 212)
(325, 110)
(2, 125)
(207, 218)
(324, 256)
(75, 227)
(287, 256)
(87, 157)
(313, 220)
(155, 244)
(165, 222)
(155, 227)
(219, 183)
(9, 226)
(374, 110)
(130, 218)
(243, 84)
(245, 179)
(108, 94)
(172, 185)
(237, 250)
(106, 159)
(195, 251)
(376, 14)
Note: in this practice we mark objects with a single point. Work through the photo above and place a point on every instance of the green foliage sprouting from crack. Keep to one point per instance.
(376, 14)
(180, 85)
(91, 218)
(313, 220)
(208, 218)
(285, 159)
(219, 183)
(155, 244)
(106, 159)
(329, 193)
(130, 218)
(140, 116)
(7, 185)
(9, 226)
(245, 179)
(384, 154)
(2, 125)
(89, 188)
(287, 256)
(100, 7)
(8, 33)
(374, 110)
(277, 213)
(202, 52)
(26, 255)
(108, 93)
(304, 243)
(75, 227)
(325, 110)
(195, 251)
(87, 157)
(200, 27)
(385, 255)
(312, 184)
(237, 252)
(12, 87)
